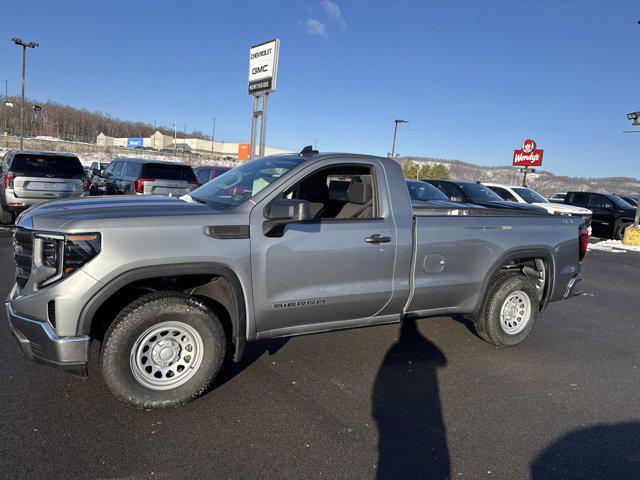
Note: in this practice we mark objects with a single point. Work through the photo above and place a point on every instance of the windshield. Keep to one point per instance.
(241, 183)
(33, 165)
(480, 193)
(619, 202)
(530, 196)
(424, 191)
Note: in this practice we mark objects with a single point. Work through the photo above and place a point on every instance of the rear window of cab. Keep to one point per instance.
(168, 172)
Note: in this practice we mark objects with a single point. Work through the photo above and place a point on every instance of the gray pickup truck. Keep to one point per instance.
(279, 246)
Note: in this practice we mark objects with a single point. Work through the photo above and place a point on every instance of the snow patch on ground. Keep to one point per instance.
(615, 246)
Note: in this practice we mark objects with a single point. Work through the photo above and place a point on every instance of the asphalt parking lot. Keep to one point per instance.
(430, 400)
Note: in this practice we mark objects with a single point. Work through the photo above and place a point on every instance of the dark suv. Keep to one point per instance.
(461, 191)
(611, 214)
(148, 177)
(30, 177)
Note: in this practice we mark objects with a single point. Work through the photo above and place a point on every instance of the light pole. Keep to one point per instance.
(4, 106)
(24, 46)
(635, 116)
(395, 133)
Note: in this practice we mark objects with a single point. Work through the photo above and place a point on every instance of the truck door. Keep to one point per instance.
(338, 266)
(603, 216)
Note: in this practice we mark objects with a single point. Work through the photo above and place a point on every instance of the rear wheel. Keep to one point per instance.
(509, 310)
(162, 350)
(5, 217)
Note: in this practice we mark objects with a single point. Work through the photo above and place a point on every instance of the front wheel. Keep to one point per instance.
(509, 310)
(162, 350)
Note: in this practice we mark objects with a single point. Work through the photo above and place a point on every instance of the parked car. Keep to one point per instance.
(611, 214)
(527, 195)
(204, 174)
(98, 167)
(557, 197)
(30, 177)
(425, 194)
(169, 285)
(630, 199)
(148, 177)
(475, 193)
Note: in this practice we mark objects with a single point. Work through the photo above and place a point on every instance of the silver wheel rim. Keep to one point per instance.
(166, 355)
(515, 312)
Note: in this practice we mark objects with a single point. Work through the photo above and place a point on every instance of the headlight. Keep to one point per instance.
(57, 256)
(79, 249)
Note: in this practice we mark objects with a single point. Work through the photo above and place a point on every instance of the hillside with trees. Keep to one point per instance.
(53, 119)
(542, 181)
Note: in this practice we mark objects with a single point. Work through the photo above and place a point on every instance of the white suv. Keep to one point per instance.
(527, 195)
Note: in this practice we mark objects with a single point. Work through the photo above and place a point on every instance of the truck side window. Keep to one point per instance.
(131, 170)
(341, 192)
(581, 199)
(117, 170)
(598, 201)
(448, 190)
(504, 194)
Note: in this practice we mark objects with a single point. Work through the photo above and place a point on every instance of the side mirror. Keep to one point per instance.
(283, 211)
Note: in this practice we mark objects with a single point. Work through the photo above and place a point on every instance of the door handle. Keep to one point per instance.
(377, 238)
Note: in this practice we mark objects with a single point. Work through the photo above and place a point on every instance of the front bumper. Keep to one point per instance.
(40, 344)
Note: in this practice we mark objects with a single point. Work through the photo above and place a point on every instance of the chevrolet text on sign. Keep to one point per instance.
(528, 155)
(263, 67)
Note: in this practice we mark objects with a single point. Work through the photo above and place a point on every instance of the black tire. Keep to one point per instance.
(618, 231)
(6, 218)
(489, 325)
(140, 316)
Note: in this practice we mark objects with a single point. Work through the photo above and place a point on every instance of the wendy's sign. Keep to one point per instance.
(528, 155)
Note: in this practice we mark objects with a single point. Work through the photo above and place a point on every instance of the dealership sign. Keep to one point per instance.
(528, 155)
(263, 67)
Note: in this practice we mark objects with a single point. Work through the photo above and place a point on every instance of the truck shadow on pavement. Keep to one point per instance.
(406, 407)
(598, 452)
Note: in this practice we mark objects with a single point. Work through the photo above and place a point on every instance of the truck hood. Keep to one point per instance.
(563, 208)
(88, 212)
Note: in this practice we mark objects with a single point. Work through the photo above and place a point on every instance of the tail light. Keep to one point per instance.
(8, 179)
(140, 184)
(583, 240)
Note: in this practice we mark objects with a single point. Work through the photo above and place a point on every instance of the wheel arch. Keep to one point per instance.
(233, 294)
(519, 256)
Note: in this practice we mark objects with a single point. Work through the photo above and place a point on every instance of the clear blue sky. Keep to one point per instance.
(474, 78)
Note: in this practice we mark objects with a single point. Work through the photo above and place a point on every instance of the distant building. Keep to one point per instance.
(159, 141)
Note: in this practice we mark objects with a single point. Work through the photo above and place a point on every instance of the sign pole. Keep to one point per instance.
(263, 124)
(524, 178)
(254, 119)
